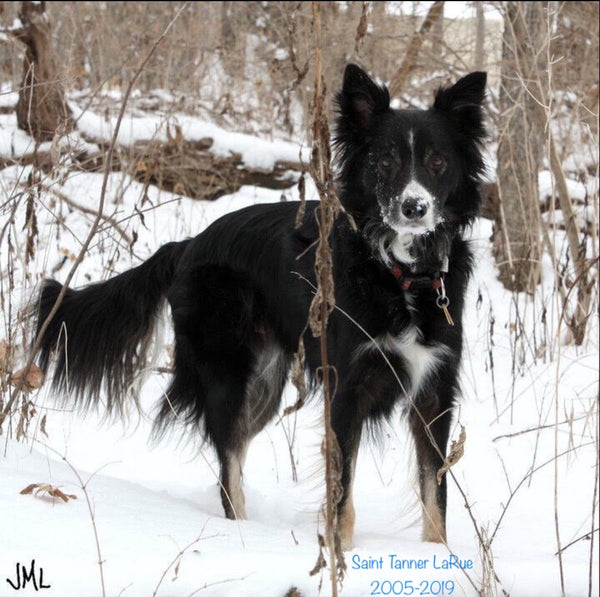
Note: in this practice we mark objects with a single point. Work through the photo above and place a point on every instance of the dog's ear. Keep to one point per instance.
(466, 92)
(361, 98)
(463, 101)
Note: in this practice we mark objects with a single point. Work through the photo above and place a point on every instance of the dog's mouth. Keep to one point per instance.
(391, 243)
(414, 228)
(410, 243)
(401, 225)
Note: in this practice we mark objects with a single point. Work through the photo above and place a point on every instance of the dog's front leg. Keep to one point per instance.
(430, 428)
(347, 428)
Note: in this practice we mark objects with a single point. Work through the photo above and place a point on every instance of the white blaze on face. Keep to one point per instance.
(416, 191)
(405, 227)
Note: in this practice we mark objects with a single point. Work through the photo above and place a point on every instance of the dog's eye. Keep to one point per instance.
(436, 162)
(385, 163)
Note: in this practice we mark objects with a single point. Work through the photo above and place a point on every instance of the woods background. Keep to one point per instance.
(250, 67)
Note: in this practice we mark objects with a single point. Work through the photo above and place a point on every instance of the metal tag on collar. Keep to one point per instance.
(442, 301)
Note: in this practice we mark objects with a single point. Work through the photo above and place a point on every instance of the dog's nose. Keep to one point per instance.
(414, 209)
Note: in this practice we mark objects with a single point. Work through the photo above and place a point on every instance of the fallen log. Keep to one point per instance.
(190, 168)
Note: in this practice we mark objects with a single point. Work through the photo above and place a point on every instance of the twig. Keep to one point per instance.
(321, 305)
(527, 476)
(587, 537)
(593, 555)
(537, 428)
(177, 558)
(86, 210)
(219, 582)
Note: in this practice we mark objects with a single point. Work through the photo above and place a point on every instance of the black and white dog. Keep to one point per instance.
(409, 179)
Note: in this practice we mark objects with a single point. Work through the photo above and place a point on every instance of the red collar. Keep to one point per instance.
(410, 281)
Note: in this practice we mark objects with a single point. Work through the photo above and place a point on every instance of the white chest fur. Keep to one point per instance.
(421, 360)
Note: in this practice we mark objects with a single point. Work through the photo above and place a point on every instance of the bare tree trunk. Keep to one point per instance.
(233, 38)
(517, 234)
(409, 62)
(41, 107)
(479, 36)
(438, 36)
(227, 33)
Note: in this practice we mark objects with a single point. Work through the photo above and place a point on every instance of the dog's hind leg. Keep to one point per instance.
(430, 432)
(212, 310)
(223, 403)
(261, 396)
(228, 426)
(232, 494)
(229, 370)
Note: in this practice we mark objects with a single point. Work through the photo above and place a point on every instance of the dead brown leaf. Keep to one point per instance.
(33, 380)
(43, 426)
(46, 488)
(457, 450)
(321, 561)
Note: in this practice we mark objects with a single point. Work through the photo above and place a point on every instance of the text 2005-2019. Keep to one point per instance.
(437, 588)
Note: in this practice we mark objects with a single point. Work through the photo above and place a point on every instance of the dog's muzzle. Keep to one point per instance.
(414, 208)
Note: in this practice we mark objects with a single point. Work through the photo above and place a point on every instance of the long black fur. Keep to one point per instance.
(100, 333)
(239, 301)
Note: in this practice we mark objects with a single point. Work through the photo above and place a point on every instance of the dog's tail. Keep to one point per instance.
(100, 334)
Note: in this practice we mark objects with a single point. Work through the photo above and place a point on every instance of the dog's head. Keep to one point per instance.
(407, 173)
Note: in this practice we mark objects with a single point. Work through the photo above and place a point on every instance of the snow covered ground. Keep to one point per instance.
(151, 515)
